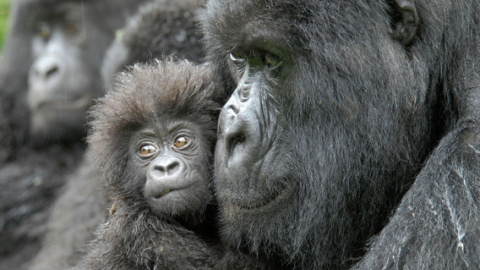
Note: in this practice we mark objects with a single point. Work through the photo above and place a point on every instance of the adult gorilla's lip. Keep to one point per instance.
(269, 202)
(63, 104)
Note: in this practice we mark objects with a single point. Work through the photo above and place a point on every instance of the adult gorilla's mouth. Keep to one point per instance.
(72, 103)
(267, 201)
(234, 201)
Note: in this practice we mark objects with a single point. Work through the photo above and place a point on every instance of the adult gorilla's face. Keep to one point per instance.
(296, 155)
(64, 77)
(255, 175)
(248, 147)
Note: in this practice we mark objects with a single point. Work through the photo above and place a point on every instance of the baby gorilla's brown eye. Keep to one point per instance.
(180, 142)
(147, 150)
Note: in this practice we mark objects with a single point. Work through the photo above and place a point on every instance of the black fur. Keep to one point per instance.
(370, 117)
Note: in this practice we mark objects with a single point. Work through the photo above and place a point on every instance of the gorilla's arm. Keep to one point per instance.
(437, 222)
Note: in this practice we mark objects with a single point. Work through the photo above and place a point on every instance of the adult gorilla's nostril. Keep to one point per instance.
(231, 107)
(234, 140)
(46, 67)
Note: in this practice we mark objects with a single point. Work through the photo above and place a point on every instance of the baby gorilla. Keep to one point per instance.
(153, 137)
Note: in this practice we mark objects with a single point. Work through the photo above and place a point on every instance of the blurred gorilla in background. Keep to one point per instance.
(152, 33)
(352, 137)
(160, 28)
(49, 73)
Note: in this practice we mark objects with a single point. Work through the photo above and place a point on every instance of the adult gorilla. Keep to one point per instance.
(344, 112)
(50, 71)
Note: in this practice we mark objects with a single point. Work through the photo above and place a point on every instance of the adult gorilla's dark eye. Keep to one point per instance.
(181, 142)
(45, 32)
(272, 61)
(147, 150)
(237, 57)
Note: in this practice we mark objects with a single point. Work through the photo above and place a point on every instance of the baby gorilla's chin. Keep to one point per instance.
(176, 202)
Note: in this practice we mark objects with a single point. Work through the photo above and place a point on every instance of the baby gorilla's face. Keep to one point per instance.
(174, 157)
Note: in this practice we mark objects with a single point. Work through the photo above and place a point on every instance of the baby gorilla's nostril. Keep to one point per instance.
(173, 167)
(168, 166)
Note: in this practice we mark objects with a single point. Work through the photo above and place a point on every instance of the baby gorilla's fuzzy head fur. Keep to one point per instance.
(155, 99)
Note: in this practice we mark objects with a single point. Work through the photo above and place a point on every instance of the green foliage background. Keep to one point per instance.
(4, 12)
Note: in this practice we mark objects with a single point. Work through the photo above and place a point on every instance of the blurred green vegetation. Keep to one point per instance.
(4, 12)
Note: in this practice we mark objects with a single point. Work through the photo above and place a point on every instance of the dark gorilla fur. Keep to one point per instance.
(30, 176)
(26, 193)
(160, 28)
(134, 237)
(352, 136)
(80, 208)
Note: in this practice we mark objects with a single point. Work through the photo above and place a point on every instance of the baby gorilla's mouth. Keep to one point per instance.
(160, 194)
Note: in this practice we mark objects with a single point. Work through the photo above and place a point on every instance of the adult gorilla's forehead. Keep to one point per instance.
(295, 24)
(245, 21)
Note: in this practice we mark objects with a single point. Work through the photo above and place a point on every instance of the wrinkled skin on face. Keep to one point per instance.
(334, 107)
(169, 163)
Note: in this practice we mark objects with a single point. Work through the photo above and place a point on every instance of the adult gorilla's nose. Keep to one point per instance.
(240, 129)
(45, 69)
